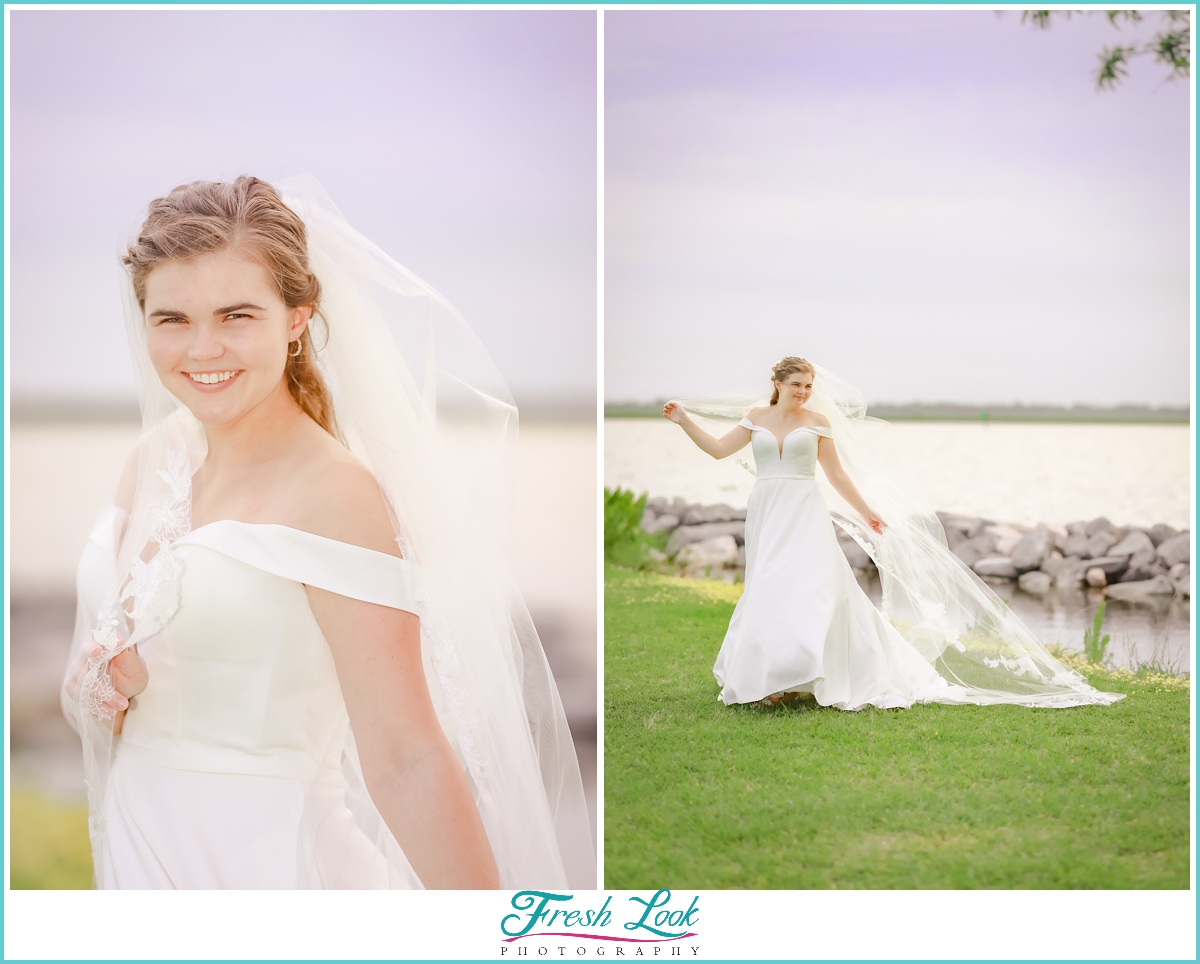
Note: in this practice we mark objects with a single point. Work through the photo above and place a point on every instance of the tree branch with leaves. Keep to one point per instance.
(1171, 44)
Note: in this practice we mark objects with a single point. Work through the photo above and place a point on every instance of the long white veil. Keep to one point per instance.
(952, 618)
(418, 400)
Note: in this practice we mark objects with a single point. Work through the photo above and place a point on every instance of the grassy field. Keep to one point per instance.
(700, 795)
(50, 849)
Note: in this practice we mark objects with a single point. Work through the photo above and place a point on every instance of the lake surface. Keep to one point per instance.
(1010, 472)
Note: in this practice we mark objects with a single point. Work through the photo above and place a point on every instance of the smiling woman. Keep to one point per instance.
(276, 637)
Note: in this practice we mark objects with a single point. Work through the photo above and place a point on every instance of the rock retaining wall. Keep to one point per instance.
(1129, 562)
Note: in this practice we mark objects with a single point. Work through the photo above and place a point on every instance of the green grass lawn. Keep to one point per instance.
(50, 849)
(701, 795)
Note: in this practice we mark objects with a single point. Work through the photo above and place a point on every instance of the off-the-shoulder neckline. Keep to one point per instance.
(302, 532)
(784, 439)
(796, 429)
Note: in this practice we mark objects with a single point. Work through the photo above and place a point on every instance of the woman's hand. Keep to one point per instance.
(875, 523)
(732, 441)
(129, 677)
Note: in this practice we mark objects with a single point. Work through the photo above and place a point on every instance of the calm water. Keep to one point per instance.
(1157, 633)
(1010, 472)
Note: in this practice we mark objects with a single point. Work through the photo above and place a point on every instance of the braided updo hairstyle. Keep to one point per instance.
(205, 217)
(789, 365)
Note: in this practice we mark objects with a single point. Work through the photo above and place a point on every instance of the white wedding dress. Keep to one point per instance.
(229, 770)
(803, 623)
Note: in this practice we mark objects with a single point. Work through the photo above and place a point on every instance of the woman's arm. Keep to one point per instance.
(410, 770)
(828, 457)
(732, 441)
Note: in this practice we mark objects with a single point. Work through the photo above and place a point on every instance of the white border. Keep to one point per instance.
(732, 925)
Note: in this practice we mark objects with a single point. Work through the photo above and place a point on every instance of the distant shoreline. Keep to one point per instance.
(947, 412)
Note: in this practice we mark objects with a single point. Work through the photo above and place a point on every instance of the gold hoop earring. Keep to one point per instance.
(299, 349)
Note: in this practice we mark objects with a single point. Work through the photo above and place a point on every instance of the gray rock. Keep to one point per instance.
(739, 515)
(1098, 525)
(1143, 565)
(694, 516)
(1099, 543)
(1072, 575)
(658, 505)
(1111, 566)
(716, 513)
(999, 566)
(1136, 541)
(1077, 528)
(1134, 591)
(976, 548)
(716, 552)
(1075, 545)
(855, 554)
(741, 557)
(1177, 549)
(661, 523)
(1054, 563)
(1181, 578)
(955, 538)
(955, 527)
(1143, 557)
(1096, 578)
(977, 526)
(1161, 533)
(1006, 537)
(1035, 582)
(686, 535)
(1032, 549)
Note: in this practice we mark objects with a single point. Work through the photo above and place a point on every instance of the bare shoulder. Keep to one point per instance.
(339, 498)
(757, 413)
(819, 419)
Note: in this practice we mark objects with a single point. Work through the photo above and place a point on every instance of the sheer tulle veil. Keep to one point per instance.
(953, 619)
(418, 400)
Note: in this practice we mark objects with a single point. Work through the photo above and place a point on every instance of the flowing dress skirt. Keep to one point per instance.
(804, 624)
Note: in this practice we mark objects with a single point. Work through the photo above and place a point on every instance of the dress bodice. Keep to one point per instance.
(799, 458)
(241, 680)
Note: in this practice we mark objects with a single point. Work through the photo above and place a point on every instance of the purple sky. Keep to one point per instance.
(462, 142)
(936, 205)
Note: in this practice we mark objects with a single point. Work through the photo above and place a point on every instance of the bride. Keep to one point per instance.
(299, 658)
(803, 624)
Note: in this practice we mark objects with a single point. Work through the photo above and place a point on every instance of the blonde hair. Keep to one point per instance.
(789, 366)
(209, 216)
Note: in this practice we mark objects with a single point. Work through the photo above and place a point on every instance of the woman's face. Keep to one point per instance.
(218, 333)
(797, 387)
